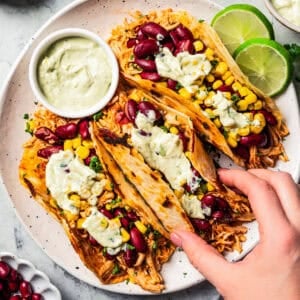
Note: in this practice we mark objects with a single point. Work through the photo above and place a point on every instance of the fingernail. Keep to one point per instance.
(175, 238)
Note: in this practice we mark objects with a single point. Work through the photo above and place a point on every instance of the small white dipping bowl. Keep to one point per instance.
(279, 17)
(44, 45)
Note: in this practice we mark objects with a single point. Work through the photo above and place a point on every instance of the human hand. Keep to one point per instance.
(272, 269)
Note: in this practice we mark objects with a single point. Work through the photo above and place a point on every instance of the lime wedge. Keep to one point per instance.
(267, 64)
(239, 22)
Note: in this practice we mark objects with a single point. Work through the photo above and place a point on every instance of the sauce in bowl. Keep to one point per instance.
(289, 9)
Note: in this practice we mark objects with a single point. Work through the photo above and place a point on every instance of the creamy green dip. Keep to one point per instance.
(74, 73)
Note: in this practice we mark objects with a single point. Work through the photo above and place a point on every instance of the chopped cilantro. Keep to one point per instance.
(184, 273)
(154, 246)
(235, 97)
(293, 49)
(209, 88)
(225, 133)
(214, 62)
(95, 164)
(115, 270)
(130, 247)
(164, 128)
(178, 86)
(28, 128)
(156, 234)
(162, 151)
(112, 185)
(26, 116)
(201, 20)
(131, 57)
(203, 187)
(98, 116)
(115, 201)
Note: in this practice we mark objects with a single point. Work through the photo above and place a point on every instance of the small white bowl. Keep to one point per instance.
(39, 281)
(42, 48)
(279, 17)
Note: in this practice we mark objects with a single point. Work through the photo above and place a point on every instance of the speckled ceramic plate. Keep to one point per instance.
(39, 281)
(17, 99)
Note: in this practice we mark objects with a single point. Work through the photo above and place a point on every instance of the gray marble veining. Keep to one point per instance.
(19, 20)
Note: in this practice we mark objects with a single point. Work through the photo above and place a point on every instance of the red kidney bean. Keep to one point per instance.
(259, 140)
(174, 37)
(154, 31)
(184, 140)
(25, 289)
(208, 201)
(130, 257)
(36, 296)
(146, 64)
(195, 172)
(47, 135)
(87, 160)
(125, 222)
(222, 204)
(225, 88)
(144, 107)
(184, 33)
(184, 45)
(131, 110)
(269, 117)
(67, 131)
(4, 269)
(218, 215)
(1, 287)
(13, 286)
(109, 256)
(145, 48)
(170, 45)
(14, 275)
(138, 240)
(202, 225)
(15, 297)
(119, 212)
(92, 241)
(140, 35)
(48, 151)
(83, 128)
(106, 213)
(121, 118)
(131, 215)
(242, 151)
(172, 84)
(131, 43)
(153, 76)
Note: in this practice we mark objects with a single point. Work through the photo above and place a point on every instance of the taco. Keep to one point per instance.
(157, 149)
(184, 61)
(115, 234)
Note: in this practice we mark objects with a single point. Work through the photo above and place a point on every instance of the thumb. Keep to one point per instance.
(207, 260)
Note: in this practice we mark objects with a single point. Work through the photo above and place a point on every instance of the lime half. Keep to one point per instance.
(267, 64)
(239, 22)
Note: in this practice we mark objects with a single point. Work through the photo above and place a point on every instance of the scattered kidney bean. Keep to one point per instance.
(25, 289)
(36, 296)
(121, 118)
(225, 88)
(130, 257)
(154, 31)
(222, 204)
(137, 240)
(145, 107)
(131, 215)
(45, 134)
(118, 212)
(269, 117)
(48, 151)
(184, 33)
(67, 131)
(145, 48)
(208, 201)
(152, 76)
(174, 37)
(106, 213)
(146, 64)
(13, 286)
(184, 140)
(92, 241)
(88, 159)
(171, 84)
(131, 43)
(218, 215)
(242, 151)
(125, 222)
(200, 224)
(185, 45)
(140, 35)
(170, 45)
(131, 110)
(83, 129)
(15, 297)
(259, 140)
(4, 269)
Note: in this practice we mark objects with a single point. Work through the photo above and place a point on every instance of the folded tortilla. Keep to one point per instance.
(109, 270)
(226, 138)
(176, 206)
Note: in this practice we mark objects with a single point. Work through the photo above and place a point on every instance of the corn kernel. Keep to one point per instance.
(201, 95)
(167, 124)
(244, 91)
(179, 193)
(88, 144)
(174, 130)
(221, 68)
(69, 216)
(227, 95)
(236, 86)
(211, 93)
(76, 142)
(80, 223)
(251, 98)
(198, 45)
(203, 88)
(185, 93)
(188, 154)
(256, 129)
(200, 196)
(217, 84)
(108, 206)
(82, 152)
(84, 205)
(229, 80)
(103, 223)
(249, 116)
(53, 203)
(258, 105)
(162, 83)
(244, 131)
(125, 235)
(242, 105)
(197, 103)
(218, 122)
(210, 113)
(260, 119)
(232, 142)
(208, 102)
(210, 78)
(209, 53)
(75, 200)
(226, 75)
(116, 221)
(68, 145)
(210, 187)
(135, 95)
(140, 226)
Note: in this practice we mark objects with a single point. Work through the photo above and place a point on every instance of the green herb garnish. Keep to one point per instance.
(98, 116)
(95, 164)
(26, 116)
(28, 128)
(201, 20)
(214, 62)
(293, 49)
(235, 97)
(115, 270)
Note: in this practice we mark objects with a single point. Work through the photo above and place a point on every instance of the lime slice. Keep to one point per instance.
(239, 22)
(267, 64)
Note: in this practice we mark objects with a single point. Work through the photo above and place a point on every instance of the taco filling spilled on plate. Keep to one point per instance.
(183, 60)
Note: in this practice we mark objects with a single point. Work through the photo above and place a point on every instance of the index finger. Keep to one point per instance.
(263, 199)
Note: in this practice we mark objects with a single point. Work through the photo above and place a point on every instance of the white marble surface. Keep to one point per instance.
(19, 20)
